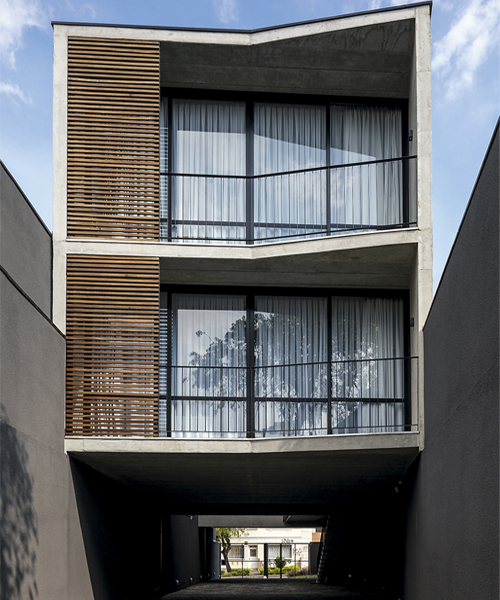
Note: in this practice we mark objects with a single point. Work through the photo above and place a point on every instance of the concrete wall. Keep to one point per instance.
(41, 548)
(452, 548)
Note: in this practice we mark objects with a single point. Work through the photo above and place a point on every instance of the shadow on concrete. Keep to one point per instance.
(18, 519)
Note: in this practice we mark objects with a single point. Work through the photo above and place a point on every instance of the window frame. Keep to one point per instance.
(250, 98)
(166, 291)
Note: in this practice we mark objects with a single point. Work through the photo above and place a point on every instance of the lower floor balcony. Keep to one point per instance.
(301, 399)
(245, 363)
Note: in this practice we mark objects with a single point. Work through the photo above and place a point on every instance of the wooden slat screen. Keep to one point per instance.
(112, 346)
(113, 138)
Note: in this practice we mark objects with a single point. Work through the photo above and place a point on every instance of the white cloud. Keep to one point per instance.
(12, 89)
(227, 10)
(90, 9)
(384, 3)
(15, 16)
(473, 36)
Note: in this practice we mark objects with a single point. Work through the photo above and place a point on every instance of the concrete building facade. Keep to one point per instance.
(233, 305)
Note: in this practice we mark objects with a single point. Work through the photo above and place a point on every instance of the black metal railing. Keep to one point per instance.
(296, 204)
(367, 395)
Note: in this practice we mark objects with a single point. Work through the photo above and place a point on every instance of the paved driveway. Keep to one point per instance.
(268, 590)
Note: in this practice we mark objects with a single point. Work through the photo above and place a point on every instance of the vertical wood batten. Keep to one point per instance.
(113, 139)
(112, 346)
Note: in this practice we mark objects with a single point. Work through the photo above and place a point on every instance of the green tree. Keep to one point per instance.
(224, 535)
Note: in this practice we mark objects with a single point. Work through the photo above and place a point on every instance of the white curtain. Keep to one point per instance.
(366, 195)
(208, 366)
(208, 139)
(368, 364)
(291, 353)
(288, 138)
(209, 377)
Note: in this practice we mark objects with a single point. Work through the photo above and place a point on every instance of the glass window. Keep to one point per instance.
(299, 187)
(274, 551)
(364, 196)
(367, 364)
(208, 138)
(291, 364)
(208, 364)
(236, 551)
(289, 137)
(312, 369)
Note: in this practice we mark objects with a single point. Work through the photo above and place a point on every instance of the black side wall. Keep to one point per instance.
(41, 548)
(452, 549)
(136, 550)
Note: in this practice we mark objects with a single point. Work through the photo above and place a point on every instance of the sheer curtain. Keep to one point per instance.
(208, 366)
(366, 195)
(208, 139)
(291, 353)
(288, 138)
(368, 367)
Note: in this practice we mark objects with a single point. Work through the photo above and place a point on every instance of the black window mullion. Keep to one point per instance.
(407, 365)
(330, 364)
(405, 166)
(169, 168)
(166, 303)
(250, 365)
(249, 173)
(328, 172)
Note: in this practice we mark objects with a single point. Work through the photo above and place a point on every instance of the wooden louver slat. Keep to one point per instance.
(113, 107)
(112, 346)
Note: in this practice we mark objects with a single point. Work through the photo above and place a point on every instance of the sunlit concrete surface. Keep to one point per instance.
(305, 589)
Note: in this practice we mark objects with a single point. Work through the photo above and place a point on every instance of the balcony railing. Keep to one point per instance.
(320, 398)
(299, 204)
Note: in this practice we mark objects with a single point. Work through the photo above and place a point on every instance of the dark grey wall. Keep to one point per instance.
(41, 547)
(364, 543)
(452, 550)
(136, 550)
(121, 530)
(183, 552)
(25, 243)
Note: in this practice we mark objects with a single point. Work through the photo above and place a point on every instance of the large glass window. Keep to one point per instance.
(251, 171)
(287, 139)
(208, 139)
(306, 364)
(291, 364)
(366, 183)
(208, 374)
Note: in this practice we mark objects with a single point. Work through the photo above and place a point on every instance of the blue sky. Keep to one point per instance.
(465, 81)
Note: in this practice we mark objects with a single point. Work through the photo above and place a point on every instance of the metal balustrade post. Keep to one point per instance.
(329, 369)
(250, 366)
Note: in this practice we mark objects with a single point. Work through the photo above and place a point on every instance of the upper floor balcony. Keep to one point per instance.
(248, 169)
